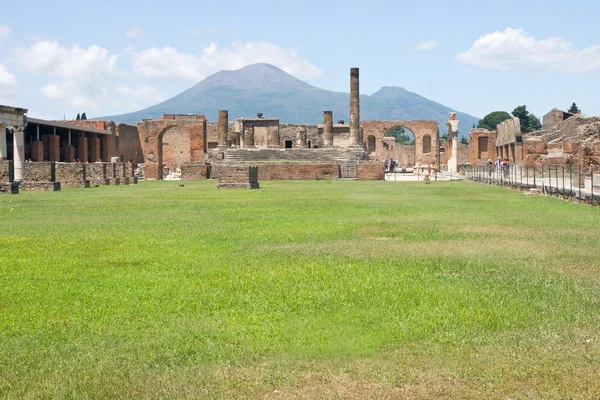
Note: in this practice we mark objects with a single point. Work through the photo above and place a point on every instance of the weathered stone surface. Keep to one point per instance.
(372, 171)
(41, 186)
(238, 177)
(195, 172)
(299, 171)
(9, 187)
(6, 171)
(39, 171)
(482, 146)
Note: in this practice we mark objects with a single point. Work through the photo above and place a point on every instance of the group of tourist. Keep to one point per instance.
(499, 165)
(391, 165)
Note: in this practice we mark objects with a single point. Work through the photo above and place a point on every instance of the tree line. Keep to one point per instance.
(529, 122)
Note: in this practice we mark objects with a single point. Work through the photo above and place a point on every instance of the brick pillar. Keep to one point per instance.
(69, 153)
(301, 137)
(94, 149)
(355, 139)
(83, 149)
(223, 127)
(107, 148)
(327, 128)
(53, 148)
(46, 147)
(37, 151)
(248, 136)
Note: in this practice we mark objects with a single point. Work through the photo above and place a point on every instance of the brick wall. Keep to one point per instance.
(369, 171)
(238, 176)
(39, 172)
(128, 143)
(478, 152)
(195, 171)
(289, 171)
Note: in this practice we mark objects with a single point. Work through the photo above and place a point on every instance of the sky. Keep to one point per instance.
(63, 57)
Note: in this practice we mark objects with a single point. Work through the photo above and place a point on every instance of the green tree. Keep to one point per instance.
(574, 109)
(400, 136)
(444, 137)
(78, 117)
(491, 120)
(83, 116)
(534, 123)
(523, 115)
(464, 140)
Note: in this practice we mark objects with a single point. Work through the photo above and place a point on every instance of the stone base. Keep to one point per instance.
(9, 187)
(113, 181)
(238, 185)
(42, 186)
(125, 180)
(134, 180)
(76, 184)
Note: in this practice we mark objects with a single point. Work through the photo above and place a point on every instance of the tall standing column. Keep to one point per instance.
(18, 154)
(327, 128)
(223, 127)
(248, 136)
(452, 125)
(3, 149)
(301, 137)
(355, 139)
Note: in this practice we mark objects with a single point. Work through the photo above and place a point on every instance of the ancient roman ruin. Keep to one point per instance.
(43, 155)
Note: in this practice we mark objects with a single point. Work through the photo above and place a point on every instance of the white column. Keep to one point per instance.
(453, 163)
(3, 150)
(19, 154)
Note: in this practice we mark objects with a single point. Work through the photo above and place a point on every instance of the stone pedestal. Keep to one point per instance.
(9, 187)
(238, 177)
(6, 171)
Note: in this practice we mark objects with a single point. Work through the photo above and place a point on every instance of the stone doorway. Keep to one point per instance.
(288, 144)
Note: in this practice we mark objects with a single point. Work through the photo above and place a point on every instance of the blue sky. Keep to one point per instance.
(113, 57)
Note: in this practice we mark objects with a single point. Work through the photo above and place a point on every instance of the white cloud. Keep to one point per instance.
(145, 93)
(134, 32)
(76, 93)
(8, 85)
(515, 48)
(4, 33)
(53, 91)
(426, 46)
(169, 63)
(49, 57)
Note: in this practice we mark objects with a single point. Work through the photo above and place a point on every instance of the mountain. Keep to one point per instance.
(267, 89)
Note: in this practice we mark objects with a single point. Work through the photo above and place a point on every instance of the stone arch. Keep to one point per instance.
(151, 134)
(420, 129)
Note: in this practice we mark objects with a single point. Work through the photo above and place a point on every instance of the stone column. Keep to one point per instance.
(83, 149)
(301, 137)
(95, 149)
(248, 136)
(355, 139)
(452, 125)
(18, 154)
(37, 151)
(327, 128)
(54, 148)
(107, 145)
(223, 127)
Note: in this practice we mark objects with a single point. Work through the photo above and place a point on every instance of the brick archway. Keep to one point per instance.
(420, 130)
(151, 133)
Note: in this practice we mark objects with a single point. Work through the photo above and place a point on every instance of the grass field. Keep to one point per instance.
(300, 289)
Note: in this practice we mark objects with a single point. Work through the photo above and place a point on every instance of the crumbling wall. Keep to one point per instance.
(482, 147)
(238, 177)
(369, 171)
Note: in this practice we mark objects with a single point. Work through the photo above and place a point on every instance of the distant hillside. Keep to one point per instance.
(277, 94)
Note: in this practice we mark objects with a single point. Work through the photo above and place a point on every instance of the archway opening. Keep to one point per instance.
(371, 144)
(399, 144)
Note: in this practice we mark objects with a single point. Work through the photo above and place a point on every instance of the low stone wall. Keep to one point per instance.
(41, 186)
(39, 172)
(6, 171)
(72, 175)
(307, 172)
(95, 172)
(195, 171)
(9, 187)
(238, 177)
(369, 171)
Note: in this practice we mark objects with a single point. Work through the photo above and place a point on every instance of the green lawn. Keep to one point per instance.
(318, 289)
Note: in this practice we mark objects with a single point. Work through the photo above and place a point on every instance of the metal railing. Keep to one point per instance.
(577, 183)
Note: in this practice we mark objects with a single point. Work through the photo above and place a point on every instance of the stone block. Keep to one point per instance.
(41, 186)
(195, 171)
(238, 177)
(9, 187)
(369, 171)
(6, 171)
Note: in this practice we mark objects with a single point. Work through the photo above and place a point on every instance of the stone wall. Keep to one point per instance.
(482, 146)
(72, 175)
(238, 177)
(196, 171)
(508, 132)
(554, 118)
(6, 171)
(39, 172)
(305, 171)
(96, 172)
(372, 171)
(128, 143)
(9, 187)
(176, 148)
